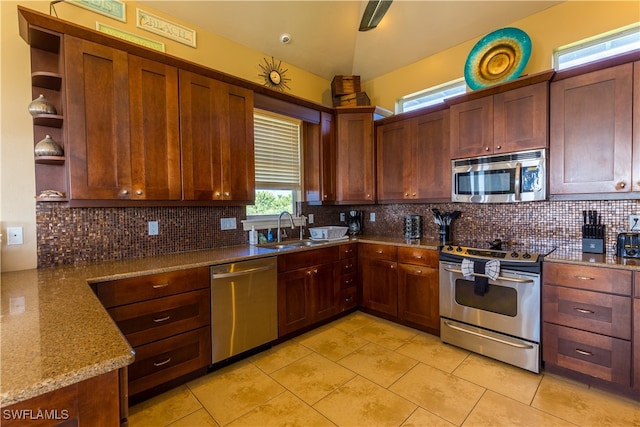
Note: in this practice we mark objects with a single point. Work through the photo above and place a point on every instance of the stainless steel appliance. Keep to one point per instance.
(511, 177)
(628, 245)
(244, 306)
(502, 321)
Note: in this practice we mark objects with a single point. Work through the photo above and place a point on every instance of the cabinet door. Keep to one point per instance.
(394, 155)
(520, 118)
(636, 332)
(216, 126)
(312, 162)
(294, 301)
(97, 98)
(379, 285)
(327, 157)
(155, 139)
(636, 129)
(431, 165)
(355, 158)
(326, 290)
(590, 132)
(472, 128)
(418, 294)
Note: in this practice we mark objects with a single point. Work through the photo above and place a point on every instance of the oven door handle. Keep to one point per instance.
(512, 344)
(506, 279)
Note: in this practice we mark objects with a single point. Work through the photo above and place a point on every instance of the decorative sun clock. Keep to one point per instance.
(274, 75)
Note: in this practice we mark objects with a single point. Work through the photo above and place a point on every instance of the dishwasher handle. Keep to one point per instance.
(248, 271)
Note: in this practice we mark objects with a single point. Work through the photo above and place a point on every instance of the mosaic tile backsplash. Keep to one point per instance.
(84, 235)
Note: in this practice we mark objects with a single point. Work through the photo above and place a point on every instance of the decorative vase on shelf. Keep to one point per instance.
(48, 147)
(41, 105)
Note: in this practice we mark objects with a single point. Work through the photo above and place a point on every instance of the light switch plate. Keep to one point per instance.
(634, 222)
(14, 236)
(228, 224)
(310, 218)
(372, 217)
(153, 228)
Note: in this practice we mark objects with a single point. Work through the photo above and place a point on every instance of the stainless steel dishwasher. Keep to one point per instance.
(244, 306)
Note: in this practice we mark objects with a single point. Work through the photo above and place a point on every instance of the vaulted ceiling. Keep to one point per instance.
(324, 33)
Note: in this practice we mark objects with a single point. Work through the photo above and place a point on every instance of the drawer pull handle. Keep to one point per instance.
(347, 267)
(348, 282)
(583, 352)
(162, 319)
(583, 311)
(584, 278)
(164, 362)
(161, 285)
(419, 271)
(349, 299)
(418, 256)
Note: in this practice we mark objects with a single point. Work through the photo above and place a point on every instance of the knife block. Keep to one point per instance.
(593, 246)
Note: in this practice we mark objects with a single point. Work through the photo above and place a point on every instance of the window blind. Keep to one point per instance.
(277, 151)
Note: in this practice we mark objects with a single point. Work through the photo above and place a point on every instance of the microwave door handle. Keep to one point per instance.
(518, 179)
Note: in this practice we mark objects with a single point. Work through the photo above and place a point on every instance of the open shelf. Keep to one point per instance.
(47, 80)
(50, 160)
(50, 120)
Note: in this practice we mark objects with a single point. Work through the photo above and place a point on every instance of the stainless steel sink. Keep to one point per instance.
(290, 244)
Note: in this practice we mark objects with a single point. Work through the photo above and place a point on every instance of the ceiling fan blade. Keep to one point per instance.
(373, 14)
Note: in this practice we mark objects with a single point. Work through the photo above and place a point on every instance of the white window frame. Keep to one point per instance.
(436, 95)
(598, 47)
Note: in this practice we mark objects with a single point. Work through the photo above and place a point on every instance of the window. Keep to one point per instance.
(431, 96)
(597, 48)
(277, 163)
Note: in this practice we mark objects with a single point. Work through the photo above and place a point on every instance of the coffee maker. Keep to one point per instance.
(354, 222)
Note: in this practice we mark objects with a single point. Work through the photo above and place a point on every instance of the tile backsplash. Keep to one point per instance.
(83, 235)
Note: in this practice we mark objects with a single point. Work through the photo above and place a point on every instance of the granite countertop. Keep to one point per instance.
(55, 332)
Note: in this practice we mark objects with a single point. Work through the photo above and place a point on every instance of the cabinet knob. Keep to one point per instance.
(217, 194)
(368, 196)
(499, 147)
(325, 196)
(621, 185)
(406, 194)
(226, 194)
(139, 192)
(315, 271)
(486, 148)
(413, 194)
(125, 192)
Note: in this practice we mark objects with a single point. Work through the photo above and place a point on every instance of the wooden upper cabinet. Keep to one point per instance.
(591, 132)
(635, 170)
(123, 125)
(413, 159)
(320, 160)
(355, 162)
(216, 126)
(513, 120)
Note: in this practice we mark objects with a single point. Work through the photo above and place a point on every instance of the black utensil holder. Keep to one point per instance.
(445, 234)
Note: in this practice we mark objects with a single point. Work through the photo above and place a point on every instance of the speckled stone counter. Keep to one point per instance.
(55, 332)
(594, 260)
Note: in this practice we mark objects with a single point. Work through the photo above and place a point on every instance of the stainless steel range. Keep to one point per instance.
(490, 303)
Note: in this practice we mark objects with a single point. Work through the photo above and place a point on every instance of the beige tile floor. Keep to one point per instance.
(365, 371)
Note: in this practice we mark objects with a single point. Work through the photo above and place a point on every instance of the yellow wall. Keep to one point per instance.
(557, 26)
(560, 25)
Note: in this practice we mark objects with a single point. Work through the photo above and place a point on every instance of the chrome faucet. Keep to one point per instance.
(280, 219)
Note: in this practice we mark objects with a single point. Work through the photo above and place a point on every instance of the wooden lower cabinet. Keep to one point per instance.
(166, 318)
(587, 323)
(636, 332)
(419, 287)
(92, 402)
(378, 271)
(308, 288)
(348, 277)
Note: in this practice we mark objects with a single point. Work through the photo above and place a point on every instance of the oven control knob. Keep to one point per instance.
(449, 248)
(458, 249)
(514, 254)
(526, 255)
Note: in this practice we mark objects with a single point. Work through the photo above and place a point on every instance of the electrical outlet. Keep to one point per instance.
(372, 217)
(342, 217)
(228, 224)
(153, 228)
(634, 222)
(15, 236)
(310, 218)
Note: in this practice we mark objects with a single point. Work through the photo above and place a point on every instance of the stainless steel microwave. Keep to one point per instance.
(502, 178)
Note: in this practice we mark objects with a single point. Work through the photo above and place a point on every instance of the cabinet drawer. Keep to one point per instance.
(348, 298)
(348, 280)
(348, 266)
(136, 289)
(418, 256)
(591, 311)
(588, 278)
(159, 318)
(348, 251)
(596, 355)
(303, 259)
(164, 360)
(372, 250)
